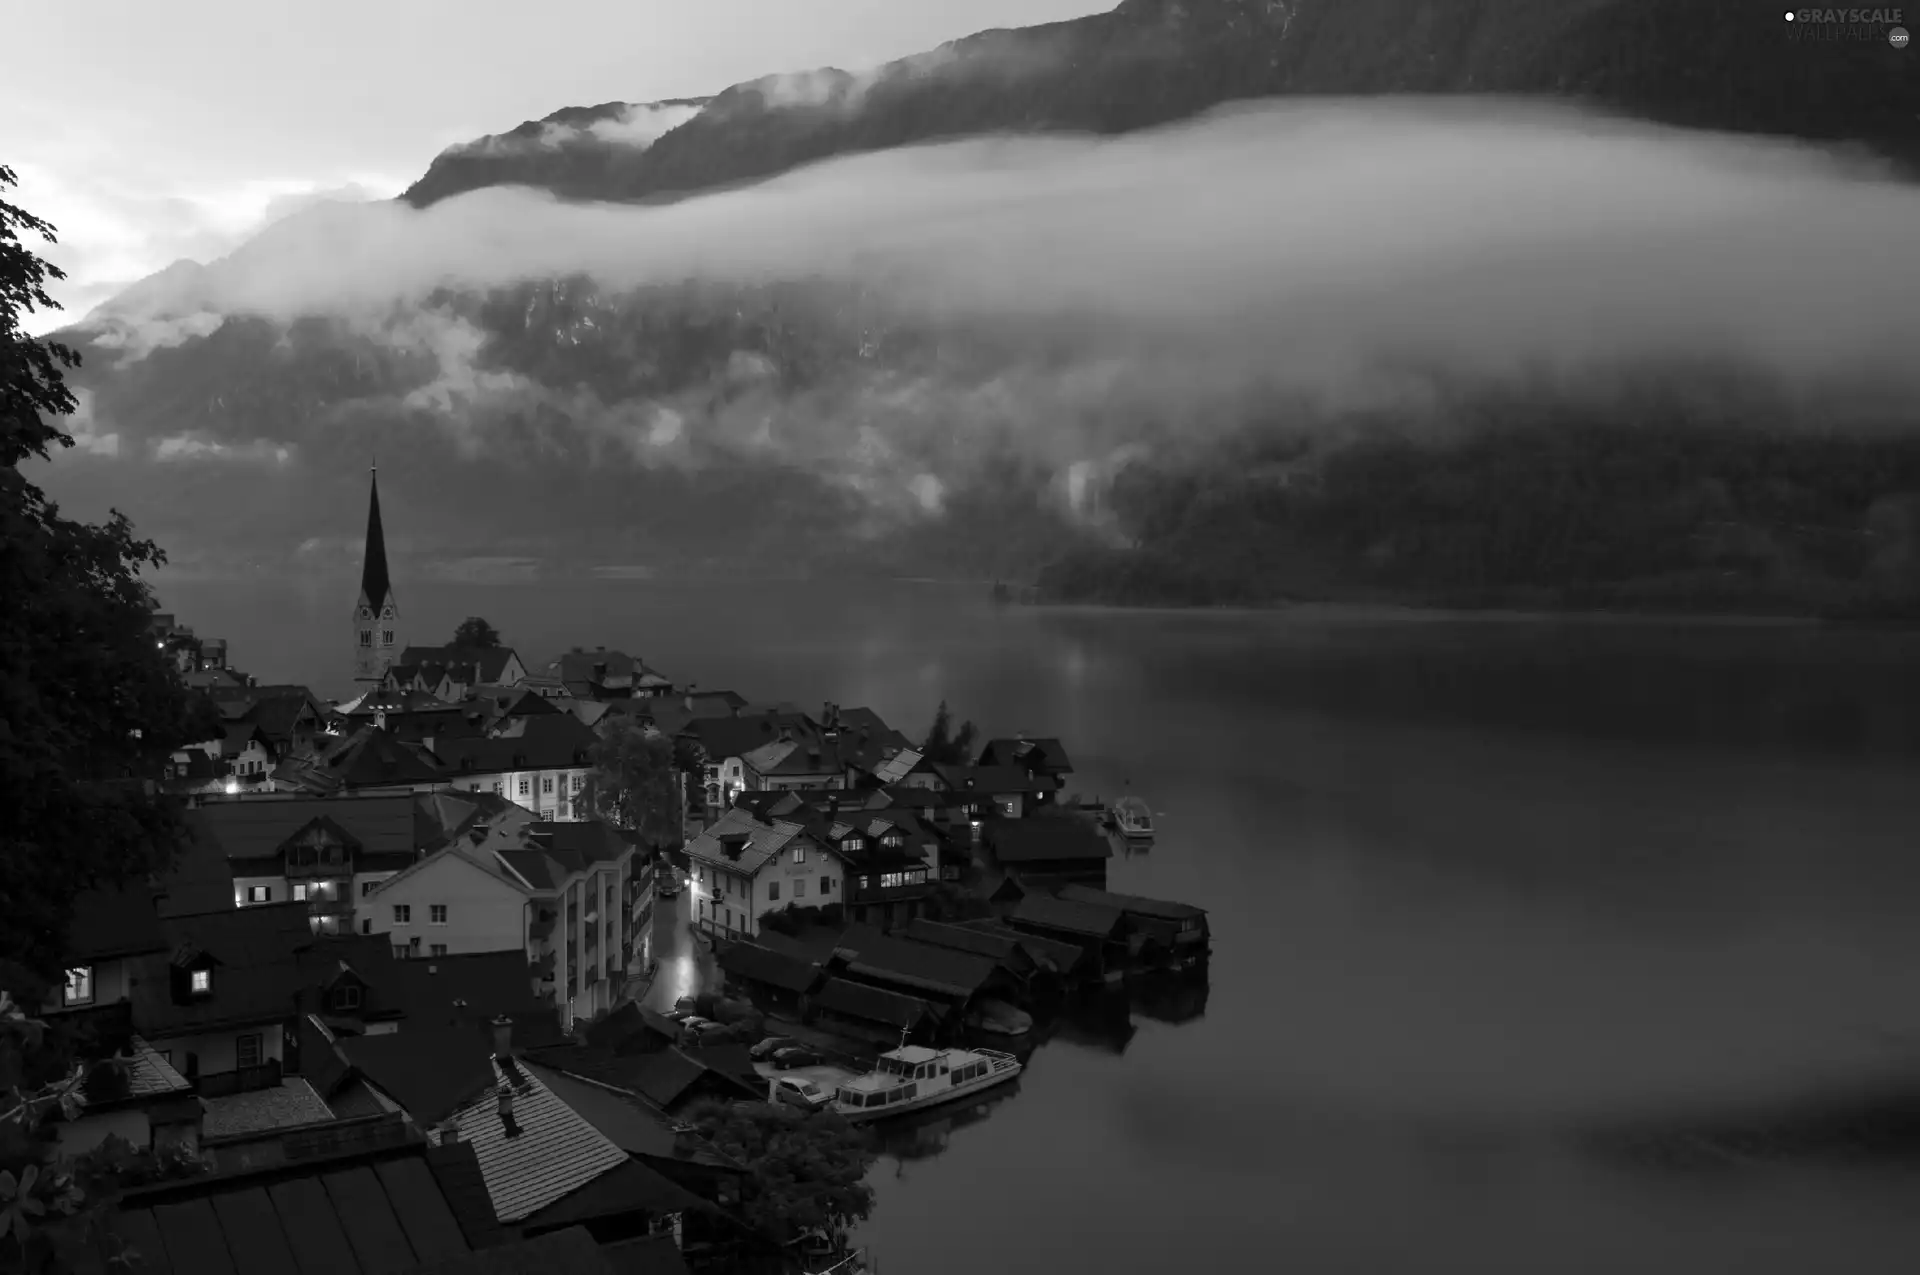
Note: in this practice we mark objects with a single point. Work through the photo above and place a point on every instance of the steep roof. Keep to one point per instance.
(872, 1004)
(991, 779)
(257, 979)
(1048, 954)
(996, 947)
(376, 586)
(1044, 754)
(556, 742)
(472, 986)
(551, 1152)
(429, 1069)
(759, 842)
(249, 828)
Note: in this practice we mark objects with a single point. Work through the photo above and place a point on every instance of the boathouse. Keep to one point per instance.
(1051, 849)
(1003, 950)
(1159, 933)
(951, 980)
(1063, 964)
(873, 1013)
(1097, 929)
(774, 981)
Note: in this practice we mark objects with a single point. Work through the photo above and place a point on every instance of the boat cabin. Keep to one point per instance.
(900, 1073)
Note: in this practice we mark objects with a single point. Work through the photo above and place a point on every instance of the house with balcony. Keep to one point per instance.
(576, 898)
(743, 868)
(220, 1004)
(541, 762)
(325, 854)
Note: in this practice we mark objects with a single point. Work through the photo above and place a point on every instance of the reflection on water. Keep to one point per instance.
(924, 1134)
(1169, 998)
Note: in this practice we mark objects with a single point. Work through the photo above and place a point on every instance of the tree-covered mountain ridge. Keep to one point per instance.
(589, 425)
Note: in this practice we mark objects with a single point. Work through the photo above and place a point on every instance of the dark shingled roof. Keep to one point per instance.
(1039, 754)
(941, 970)
(996, 947)
(431, 989)
(1138, 904)
(1044, 838)
(429, 1071)
(556, 742)
(569, 1252)
(872, 1004)
(758, 964)
(1092, 919)
(249, 828)
(355, 1215)
(256, 977)
(1049, 954)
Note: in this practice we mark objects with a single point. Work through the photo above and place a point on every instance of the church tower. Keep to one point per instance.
(376, 620)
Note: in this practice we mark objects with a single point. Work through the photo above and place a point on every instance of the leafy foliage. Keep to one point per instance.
(90, 711)
(635, 782)
(476, 634)
(944, 744)
(806, 1171)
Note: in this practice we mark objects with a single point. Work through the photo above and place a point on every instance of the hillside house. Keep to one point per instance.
(541, 762)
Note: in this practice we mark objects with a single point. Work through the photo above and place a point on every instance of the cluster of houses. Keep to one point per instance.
(368, 1112)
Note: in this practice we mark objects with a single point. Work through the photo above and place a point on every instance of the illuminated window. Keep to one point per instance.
(201, 981)
(300, 891)
(799, 854)
(79, 988)
(259, 894)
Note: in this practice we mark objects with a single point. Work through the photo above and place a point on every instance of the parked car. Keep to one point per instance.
(700, 1026)
(668, 888)
(766, 1048)
(796, 1056)
(803, 1094)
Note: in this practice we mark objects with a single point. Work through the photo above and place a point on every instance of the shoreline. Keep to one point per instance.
(1413, 612)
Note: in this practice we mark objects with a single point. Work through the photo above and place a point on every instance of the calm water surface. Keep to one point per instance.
(1475, 886)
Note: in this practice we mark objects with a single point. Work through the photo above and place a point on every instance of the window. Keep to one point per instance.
(854, 843)
(259, 894)
(413, 945)
(246, 1050)
(546, 785)
(526, 786)
(366, 637)
(498, 788)
(579, 782)
(437, 914)
(368, 887)
(79, 988)
(366, 925)
(403, 914)
(800, 888)
(438, 949)
(346, 997)
(773, 890)
(826, 885)
(201, 982)
(799, 854)
(386, 637)
(299, 891)
(401, 951)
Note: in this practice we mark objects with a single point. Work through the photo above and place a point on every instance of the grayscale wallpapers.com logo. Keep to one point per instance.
(1828, 25)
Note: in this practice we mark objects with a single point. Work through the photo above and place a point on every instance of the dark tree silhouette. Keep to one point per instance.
(944, 744)
(475, 633)
(805, 1171)
(635, 782)
(90, 711)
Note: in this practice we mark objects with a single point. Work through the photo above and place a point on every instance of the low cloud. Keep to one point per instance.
(1109, 293)
(192, 447)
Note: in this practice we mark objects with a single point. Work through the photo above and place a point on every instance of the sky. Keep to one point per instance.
(151, 132)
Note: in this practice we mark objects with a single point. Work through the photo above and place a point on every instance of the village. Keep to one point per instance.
(470, 960)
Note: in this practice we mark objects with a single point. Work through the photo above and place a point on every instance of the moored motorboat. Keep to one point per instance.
(914, 1077)
(1132, 817)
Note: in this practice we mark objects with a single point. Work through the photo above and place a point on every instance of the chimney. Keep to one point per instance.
(507, 1121)
(503, 1045)
(449, 1133)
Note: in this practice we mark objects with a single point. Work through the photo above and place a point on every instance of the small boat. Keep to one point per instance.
(914, 1077)
(1132, 817)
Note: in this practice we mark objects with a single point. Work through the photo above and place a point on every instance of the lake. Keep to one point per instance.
(1476, 886)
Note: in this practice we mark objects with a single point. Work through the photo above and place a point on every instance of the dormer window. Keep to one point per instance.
(79, 988)
(346, 997)
(200, 982)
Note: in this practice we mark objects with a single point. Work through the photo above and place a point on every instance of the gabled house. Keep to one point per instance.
(1010, 792)
(290, 717)
(541, 762)
(1043, 757)
(1098, 930)
(371, 760)
(131, 1092)
(324, 853)
(722, 744)
(565, 896)
(408, 715)
(601, 674)
(1159, 932)
(793, 760)
(112, 935)
(951, 980)
(218, 1007)
(450, 672)
(743, 868)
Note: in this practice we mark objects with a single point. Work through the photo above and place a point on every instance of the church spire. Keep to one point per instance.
(375, 585)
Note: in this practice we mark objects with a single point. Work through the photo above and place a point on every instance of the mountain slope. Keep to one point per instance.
(1150, 62)
(807, 426)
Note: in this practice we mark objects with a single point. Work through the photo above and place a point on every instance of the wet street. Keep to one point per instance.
(686, 962)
